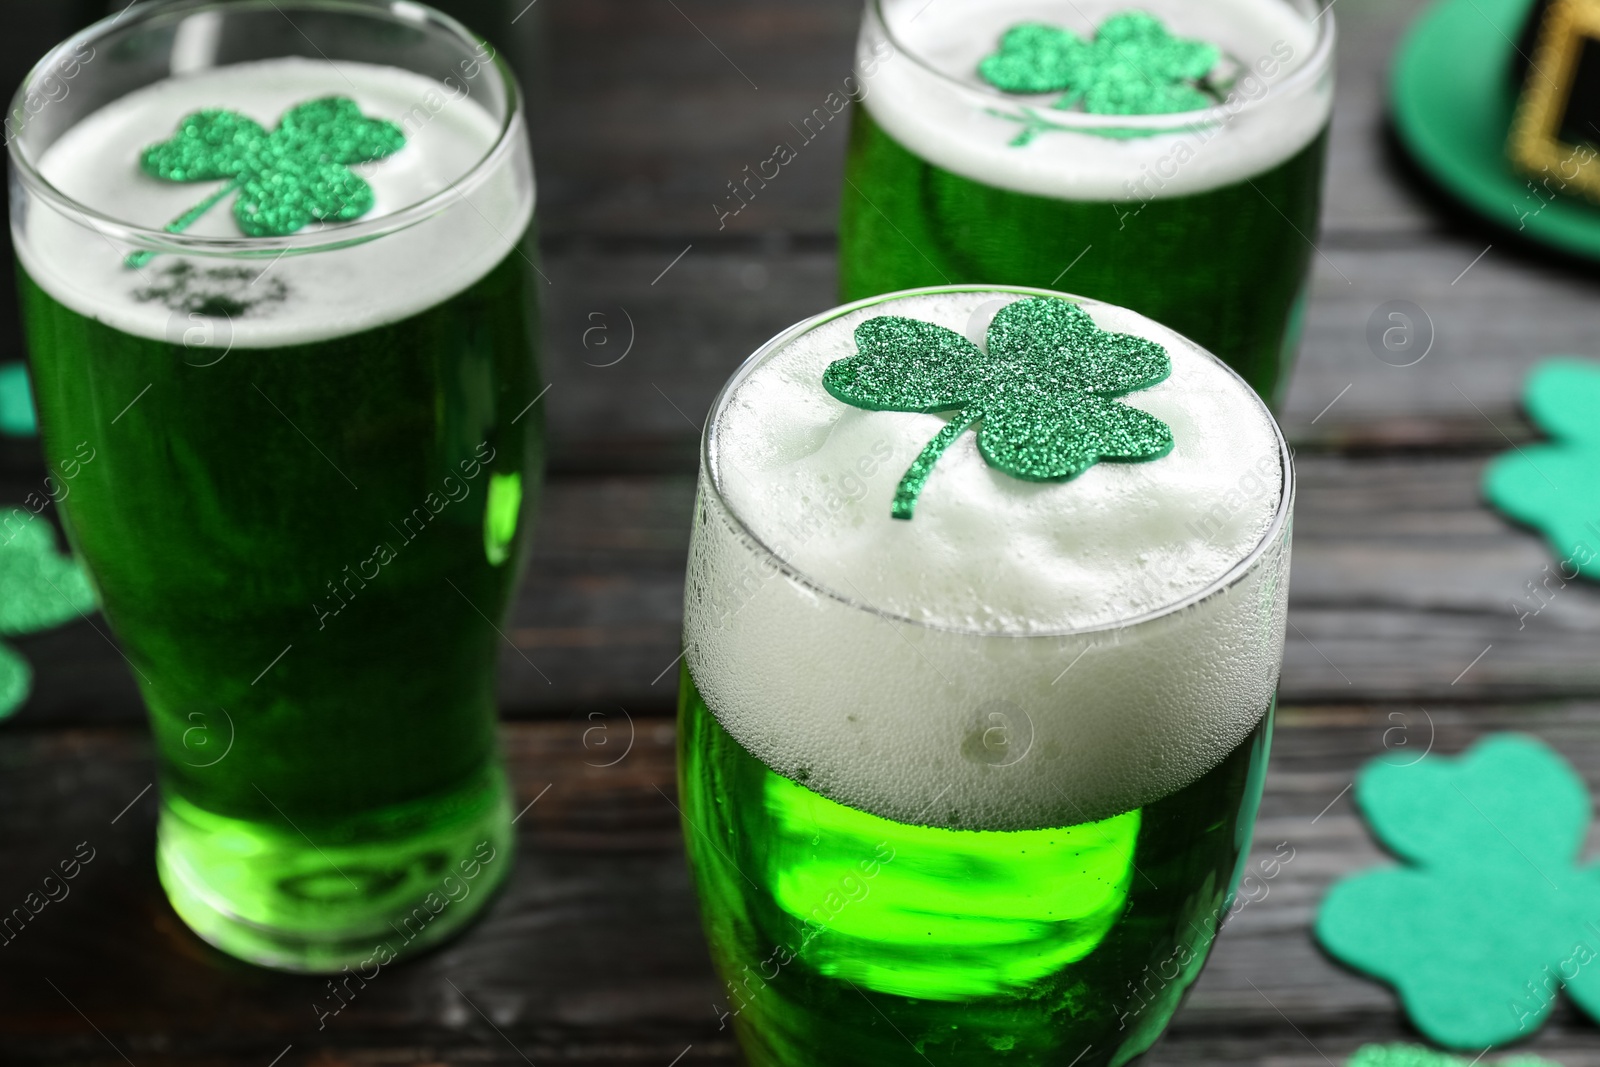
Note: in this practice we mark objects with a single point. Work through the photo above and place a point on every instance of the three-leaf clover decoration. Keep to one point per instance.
(39, 589)
(1043, 390)
(286, 178)
(1488, 917)
(17, 418)
(1555, 487)
(1132, 66)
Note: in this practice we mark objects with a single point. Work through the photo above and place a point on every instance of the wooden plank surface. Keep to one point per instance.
(1404, 595)
(593, 954)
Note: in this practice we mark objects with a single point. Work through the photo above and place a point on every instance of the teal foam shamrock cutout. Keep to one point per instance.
(1420, 1056)
(17, 418)
(39, 589)
(1555, 487)
(1132, 66)
(1487, 917)
(287, 178)
(1043, 390)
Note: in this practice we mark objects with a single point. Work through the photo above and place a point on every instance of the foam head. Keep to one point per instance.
(917, 64)
(1130, 617)
(487, 202)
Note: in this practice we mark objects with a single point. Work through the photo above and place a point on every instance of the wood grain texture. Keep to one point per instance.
(645, 112)
(593, 955)
(1490, 320)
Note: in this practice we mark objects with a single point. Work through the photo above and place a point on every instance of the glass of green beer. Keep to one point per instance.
(275, 270)
(974, 786)
(1168, 159)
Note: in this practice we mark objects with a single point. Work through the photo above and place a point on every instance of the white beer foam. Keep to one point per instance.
(952, 126)
(325, 293)
(874, 678)
(813, 478)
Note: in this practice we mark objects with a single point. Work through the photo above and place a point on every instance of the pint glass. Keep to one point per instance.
(274, 261)
(1203, 220)
(975, 787)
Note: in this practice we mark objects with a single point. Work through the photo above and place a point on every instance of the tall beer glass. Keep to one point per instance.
(975, 787)
(1203, 220)
(307, 457)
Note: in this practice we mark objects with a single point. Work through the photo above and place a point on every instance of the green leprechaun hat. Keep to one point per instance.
(1518, 143)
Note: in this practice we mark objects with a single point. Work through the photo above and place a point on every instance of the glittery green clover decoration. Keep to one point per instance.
(1488, 917)
(1132, 66)
(39, 589)
(1555, 487)
(1421, 1056)
(1043, 390)
(287, 178)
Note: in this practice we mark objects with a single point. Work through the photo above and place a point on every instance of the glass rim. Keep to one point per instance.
(710, 478)
(1316, 65)
(324, 237)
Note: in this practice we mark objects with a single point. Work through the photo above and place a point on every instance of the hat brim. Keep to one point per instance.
(1455, 126)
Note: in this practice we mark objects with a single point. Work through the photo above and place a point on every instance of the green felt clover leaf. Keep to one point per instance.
(1555, 487)
(39, 589)
(1043, 390)
(287, 178)
(1488, 916)
(1133, 66)
(17, 418)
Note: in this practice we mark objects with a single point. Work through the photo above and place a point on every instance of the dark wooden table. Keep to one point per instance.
(1402, 622)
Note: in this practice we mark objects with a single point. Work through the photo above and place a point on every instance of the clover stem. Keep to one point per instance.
(183, 222)
(905, 494)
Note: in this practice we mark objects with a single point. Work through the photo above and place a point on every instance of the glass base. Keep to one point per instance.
(358, 895)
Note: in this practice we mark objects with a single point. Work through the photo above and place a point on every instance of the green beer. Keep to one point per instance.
(1201, 220)
(977, 787)
(318, 458)
(869, 941)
